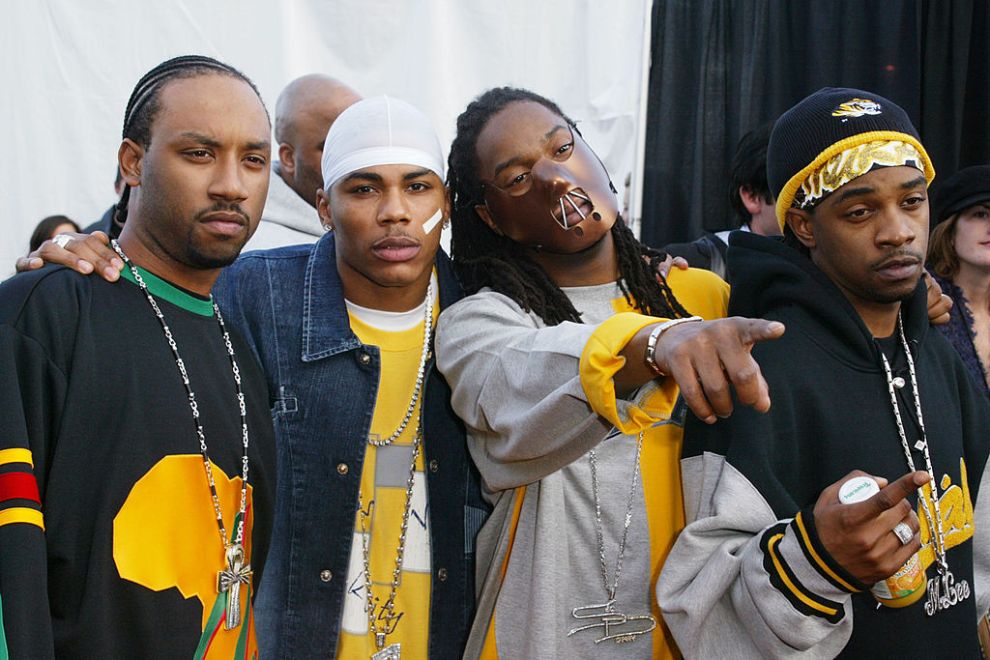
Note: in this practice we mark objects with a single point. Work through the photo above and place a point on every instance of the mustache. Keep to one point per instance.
(400, 236)
(222, 207)
(901, 254)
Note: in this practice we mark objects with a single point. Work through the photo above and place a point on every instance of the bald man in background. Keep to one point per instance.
(304, 112)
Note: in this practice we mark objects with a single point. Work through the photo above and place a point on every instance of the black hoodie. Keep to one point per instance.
(751, 481)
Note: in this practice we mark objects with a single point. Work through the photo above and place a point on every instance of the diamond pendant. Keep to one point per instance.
(920, 445)
(390, 652)
(944, 592)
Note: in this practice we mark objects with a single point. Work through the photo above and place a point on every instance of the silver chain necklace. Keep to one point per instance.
(605, 612)
(386, 612)
(943, 591)
(238, 569)
(376, 440)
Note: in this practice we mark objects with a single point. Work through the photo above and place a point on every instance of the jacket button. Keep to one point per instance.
(364, 358)
(326, 575)
(342, 469)
(434, 466)
(442, 574)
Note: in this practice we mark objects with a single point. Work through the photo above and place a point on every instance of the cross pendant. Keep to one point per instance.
(229, 583)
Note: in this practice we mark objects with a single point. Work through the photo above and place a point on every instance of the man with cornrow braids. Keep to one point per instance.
(563, 362)
(136, 508)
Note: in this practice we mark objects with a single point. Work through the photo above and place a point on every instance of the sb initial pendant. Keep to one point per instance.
(390, 652)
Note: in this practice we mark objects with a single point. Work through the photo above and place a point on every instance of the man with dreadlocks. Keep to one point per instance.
(135, 509)
(556, 365)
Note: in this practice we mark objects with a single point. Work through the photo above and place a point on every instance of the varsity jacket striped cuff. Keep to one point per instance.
(803, 571)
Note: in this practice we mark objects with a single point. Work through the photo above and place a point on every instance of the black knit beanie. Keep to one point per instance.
(825, 124)
(963, 189)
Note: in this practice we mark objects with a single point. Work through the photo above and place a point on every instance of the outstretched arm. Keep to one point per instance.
(537, 398)
(707, 360)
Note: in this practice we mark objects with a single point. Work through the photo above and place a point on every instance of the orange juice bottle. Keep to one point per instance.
(907, 585)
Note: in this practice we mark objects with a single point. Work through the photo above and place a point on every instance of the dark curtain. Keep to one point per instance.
(721, 67)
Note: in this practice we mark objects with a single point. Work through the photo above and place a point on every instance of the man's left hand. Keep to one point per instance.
(939, 304)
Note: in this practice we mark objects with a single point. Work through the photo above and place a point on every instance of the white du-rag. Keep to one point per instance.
(380, 131)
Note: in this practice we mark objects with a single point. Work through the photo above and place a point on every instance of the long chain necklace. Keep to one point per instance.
(385, 613)
(374, 439)
(605, 612)
(943, 591)
(238, 569)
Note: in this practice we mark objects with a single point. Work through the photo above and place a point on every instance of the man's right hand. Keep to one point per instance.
(85, 253)
(860, 536)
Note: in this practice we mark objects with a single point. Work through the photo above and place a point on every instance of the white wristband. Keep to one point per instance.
(651, 343)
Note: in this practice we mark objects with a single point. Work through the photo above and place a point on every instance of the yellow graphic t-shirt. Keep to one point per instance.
(384, 480)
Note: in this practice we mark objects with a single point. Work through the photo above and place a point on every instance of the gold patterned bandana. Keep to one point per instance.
(854, 162)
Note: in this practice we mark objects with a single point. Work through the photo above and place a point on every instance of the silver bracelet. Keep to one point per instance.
(651, 343)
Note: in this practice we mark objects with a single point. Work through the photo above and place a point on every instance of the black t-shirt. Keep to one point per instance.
(95, 413)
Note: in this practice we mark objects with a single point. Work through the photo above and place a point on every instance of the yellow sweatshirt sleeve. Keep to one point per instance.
(600, 360)
(701, 293)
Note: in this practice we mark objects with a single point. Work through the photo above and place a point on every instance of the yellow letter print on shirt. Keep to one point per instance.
(956, 508)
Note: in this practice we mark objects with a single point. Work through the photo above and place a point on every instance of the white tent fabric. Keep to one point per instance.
(69, 67)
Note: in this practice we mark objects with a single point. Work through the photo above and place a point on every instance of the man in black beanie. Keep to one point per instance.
(841, 521)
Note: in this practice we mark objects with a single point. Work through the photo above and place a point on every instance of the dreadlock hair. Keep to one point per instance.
(145, 103)
(483, 258)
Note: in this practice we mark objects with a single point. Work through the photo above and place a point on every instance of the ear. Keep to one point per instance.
(752, 200)
(486, 217)
(801, 224)
(130, 156)
(286, 161)
(446, 206)
(323, 208)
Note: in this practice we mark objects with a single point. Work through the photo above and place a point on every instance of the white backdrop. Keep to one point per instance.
(69, 66)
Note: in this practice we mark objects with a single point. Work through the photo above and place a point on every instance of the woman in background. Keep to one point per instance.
(959, 258)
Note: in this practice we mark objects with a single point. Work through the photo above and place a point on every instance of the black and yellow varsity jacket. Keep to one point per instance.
(749, 577)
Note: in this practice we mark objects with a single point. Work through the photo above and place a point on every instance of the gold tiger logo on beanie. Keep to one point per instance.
(857, 108)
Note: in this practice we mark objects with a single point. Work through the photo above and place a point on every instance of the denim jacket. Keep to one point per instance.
(288, 303)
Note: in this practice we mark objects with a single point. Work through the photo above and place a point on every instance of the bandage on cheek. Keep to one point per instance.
(432, 223)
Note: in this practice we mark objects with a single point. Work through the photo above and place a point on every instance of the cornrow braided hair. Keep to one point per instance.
(144, 104)
(483, 258)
